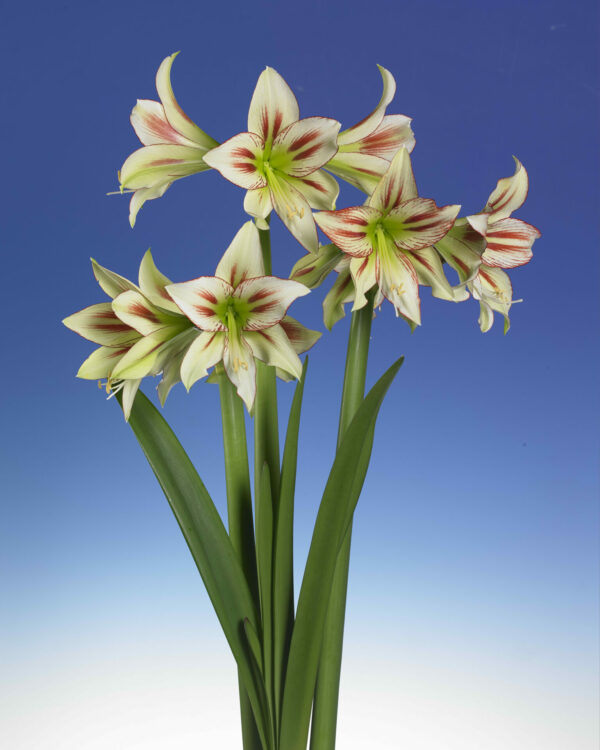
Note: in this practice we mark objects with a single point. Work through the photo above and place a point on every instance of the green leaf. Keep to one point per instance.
(335, 513)
(283, 567)
(264, 559)
(206, 537)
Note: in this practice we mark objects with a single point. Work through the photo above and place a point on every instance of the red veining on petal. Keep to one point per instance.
(310, 151)
(304, 271)
(163, 162)
(302, 140)
(277, 122)
(260, 294)
(244, 166)
(488, 278)
(207, 295)
(241, 152)
(265, 307)
(202, 310)
(161, 128)
(423, 261)
(118, 328)
(314, 184)
(461, 264)
(136, 308)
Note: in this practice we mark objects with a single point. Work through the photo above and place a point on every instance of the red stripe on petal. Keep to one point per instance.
(143, 312)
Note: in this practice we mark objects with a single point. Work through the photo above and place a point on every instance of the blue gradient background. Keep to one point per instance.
(472, 612)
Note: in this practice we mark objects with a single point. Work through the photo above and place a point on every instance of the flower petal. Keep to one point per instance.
(340, 294)
(130, 388)
(361, 170)
(394, 132)
(240, 368)
(146, 357)
(110, 282)
(372, 121)
(292, 208)
(300, 337)
(509, 243)
(273, 347)
(152, 166)
(273, 106)
(152, 127)
(364, 275)
(175, 115)
(313, 268)
(243, 258)
(428, 266)
(172, 367)
(98, 323)
(304, 146)
(206, 350)
(397, 185)
(493, 289)
(418, 223)
(237, 160)
(101, 362)
(139, 313)
(398, 282)
(258, 202)
(320, 189)
(462, 247)
(152, 284)
(142, 195)
(198, 300)
(349, 228)
(268, 299)
(509, 194)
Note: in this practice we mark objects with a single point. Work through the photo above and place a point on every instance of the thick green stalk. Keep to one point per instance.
(266, 453)
(266, 426)
(239, 512)
(325, 707)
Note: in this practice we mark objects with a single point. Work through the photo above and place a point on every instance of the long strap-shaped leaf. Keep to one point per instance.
(206, 537)
(283, 567)
(335, 512)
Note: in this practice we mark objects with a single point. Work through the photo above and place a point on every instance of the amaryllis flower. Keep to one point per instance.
(173, 145)
(278, 160)
(141, 332)
(366, 149)
(389, 240)
(479, 246)
(242, 316)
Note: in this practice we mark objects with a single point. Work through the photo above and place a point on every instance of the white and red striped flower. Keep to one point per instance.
(479, 246)
(141, 332)
(173, 147)
(366, 149)
(278, 160)
(242, 316)
(390, 241)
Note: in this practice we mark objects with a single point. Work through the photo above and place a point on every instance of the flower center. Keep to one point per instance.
(233, 313)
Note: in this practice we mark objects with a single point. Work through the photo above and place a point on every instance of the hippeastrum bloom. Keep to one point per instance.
(141, 332)
(479, 246)
(173, 145)
(389, 240)
(366, 149)
(242, 316)
(278, 160)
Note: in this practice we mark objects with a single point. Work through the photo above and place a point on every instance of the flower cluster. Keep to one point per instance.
(391, 245)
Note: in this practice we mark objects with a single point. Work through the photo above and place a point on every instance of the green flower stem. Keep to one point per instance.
(266, 452)
(239, 512)
(325, 707)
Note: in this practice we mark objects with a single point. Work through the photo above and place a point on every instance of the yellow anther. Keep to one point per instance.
(293, 211)
(399, 289)
(239, 364)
